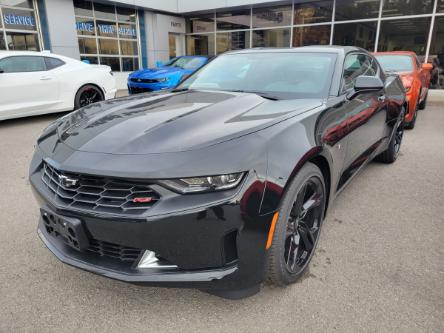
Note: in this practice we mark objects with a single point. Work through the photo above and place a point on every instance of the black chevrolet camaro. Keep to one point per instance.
(223, 182)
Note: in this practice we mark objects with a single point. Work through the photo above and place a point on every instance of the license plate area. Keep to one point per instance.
(69, 229)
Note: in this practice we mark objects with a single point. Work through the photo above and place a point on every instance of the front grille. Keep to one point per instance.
(136, 90)
(116, 251)
(144, 80)
(99, 194)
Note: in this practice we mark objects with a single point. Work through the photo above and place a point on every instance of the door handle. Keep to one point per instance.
(381, 98)
(45, 78)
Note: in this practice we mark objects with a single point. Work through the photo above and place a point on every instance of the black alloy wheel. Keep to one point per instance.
(303, 225)
(298, 227)
(392, 152)
(87, 95)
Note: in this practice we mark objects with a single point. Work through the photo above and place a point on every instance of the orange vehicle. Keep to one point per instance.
(415, 78)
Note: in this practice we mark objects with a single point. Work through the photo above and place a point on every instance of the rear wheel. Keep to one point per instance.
(87, 95)
(298, 227)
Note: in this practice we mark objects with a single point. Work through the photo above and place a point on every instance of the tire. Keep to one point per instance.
(307, 188)
(391, 153)
(411, 124)
(87, 95)
(423, 104)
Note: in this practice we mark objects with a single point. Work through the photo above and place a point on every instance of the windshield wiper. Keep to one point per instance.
(260, 93)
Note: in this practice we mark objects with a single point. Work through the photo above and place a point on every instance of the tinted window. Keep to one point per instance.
(186, 63)
(356, 65)
(284, 75)
(52, 63)
(22, 64)
(395, 63)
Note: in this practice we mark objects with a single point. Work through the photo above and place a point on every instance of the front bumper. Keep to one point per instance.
(217, 246)
(135, 88)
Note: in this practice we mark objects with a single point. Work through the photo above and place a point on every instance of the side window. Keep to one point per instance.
(20, 64)
(356, 65)
(418, 65)
(52, 63)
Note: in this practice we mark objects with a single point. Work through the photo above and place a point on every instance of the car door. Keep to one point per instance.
(26, 86)
(366, 114)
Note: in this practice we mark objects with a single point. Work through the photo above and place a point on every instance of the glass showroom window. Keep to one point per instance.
(311, 35)
(271, 38)
(272, 17)
(107, 35)
(407, 7)
(313, 11)
(19, 28)
(362, 34)
(437, 54)
(235, 40)
(200, 45)
(404, 35)
(356, 9)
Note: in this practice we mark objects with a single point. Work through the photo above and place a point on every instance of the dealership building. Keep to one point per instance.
(133, 34)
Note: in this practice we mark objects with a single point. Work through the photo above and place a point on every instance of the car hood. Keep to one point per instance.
(156, 72)
(173, 122)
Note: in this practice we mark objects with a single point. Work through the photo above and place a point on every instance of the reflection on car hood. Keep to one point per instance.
(157, 72)
(172, 122)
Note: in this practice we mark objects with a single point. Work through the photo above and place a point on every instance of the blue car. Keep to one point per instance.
(166, 76)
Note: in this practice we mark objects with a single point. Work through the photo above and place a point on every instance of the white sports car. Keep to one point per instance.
(33, 83)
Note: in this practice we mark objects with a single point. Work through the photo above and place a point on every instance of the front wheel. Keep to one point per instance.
(423, 104)
(391, 153)
(87, 95)
(298, 227)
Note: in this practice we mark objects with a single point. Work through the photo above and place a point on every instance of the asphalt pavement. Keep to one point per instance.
(379, 266)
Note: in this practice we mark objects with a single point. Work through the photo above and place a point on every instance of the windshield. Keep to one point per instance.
(395, 63)
(185, 63)
(283, 75)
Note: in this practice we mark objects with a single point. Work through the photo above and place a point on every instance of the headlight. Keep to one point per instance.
(163, 79)
(204, 184)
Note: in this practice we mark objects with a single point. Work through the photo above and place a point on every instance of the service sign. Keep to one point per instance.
(20, 20)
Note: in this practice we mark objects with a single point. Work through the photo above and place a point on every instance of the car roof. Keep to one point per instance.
(193, 56)
(36, 53)
(410, 53)
(313, 48)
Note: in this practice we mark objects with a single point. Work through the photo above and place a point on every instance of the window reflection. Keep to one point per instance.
(406, 7)
(271, 16)
(356, 9)
(313, 35)
(87, 45)
(404, 35)
(83, 8)
(232, 41)
(233, 20)
(271, 38)
(356, 34)
(200, 45)
(313, 12)
(114, 63)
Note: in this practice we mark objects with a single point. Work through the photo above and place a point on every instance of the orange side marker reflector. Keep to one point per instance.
(271, 232)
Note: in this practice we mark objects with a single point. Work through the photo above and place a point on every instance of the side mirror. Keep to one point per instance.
(427, 66)
(159, 63)
(366, 84)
